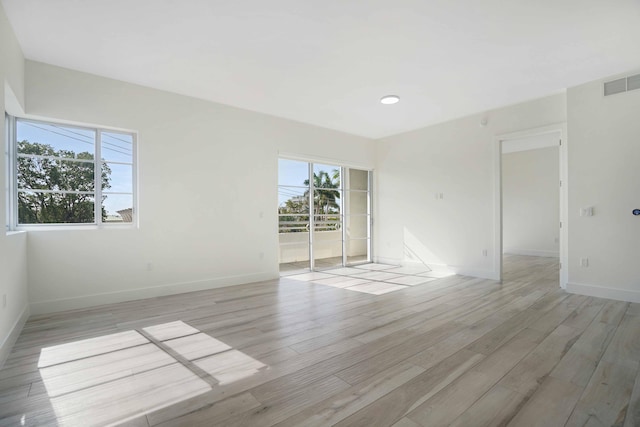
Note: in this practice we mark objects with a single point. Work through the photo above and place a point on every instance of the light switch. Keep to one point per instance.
(588, 211)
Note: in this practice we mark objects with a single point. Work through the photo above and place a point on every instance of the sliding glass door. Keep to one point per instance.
(324, 216)
(357, 204)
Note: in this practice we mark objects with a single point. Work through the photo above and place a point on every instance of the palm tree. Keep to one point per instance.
(325, 198)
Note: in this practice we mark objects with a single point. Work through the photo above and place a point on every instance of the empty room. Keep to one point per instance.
(303, 213)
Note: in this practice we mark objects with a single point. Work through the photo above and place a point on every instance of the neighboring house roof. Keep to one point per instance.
(126, 214)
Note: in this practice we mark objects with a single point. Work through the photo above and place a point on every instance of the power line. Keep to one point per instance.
(88, 137)
(103, 142)
(110, 135)
(77, 139)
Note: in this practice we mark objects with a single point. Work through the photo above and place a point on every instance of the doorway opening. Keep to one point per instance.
(531, 196)
(324, 216)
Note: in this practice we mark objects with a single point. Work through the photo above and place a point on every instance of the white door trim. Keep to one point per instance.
(561, 129)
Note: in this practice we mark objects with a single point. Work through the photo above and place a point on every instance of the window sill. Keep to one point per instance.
(32, 228)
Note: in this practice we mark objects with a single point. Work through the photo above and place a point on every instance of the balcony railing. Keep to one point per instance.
(289, 223)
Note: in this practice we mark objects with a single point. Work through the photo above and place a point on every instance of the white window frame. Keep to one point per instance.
(12, 176)
(9, 174)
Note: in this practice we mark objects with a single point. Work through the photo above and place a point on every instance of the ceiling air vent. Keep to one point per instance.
(622, 85)
(633, 82)
(616, 86)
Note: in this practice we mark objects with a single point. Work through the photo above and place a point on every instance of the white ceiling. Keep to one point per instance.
(327, 62)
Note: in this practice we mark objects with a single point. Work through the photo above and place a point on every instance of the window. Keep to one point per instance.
(70, 175)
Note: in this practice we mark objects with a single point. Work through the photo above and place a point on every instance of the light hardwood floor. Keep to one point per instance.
(454, 351)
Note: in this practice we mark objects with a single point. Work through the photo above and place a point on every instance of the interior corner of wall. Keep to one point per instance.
(6, 345)
(12, 103)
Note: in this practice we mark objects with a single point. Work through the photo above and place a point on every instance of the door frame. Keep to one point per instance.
(561, 129)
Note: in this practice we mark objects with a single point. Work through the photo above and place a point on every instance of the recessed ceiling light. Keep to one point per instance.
(389, 99)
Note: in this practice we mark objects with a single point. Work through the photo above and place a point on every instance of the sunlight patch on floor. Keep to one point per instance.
(119, 377)
(374, 278)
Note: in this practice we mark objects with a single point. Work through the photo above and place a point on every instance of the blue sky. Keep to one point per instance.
(294, 173)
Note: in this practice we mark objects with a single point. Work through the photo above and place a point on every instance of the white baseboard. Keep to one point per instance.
(14, 333)
(85, 301)
(604, 292)
(533, 252)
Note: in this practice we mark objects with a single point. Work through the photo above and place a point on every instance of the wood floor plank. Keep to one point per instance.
(606, 398)
(454, 343)
(219, 411)
(88, 372)
(127, 398)
(340, 406)
(16, 393)
(531, 371)
(378, 363)
(274, 411)
(550, 406)
(633, 413)
(496, 338)
(624, 348)
(89, 347)
(405, 422)
(456, 350)
(398, 403)
(441, 410)
(578, 365)
(496, 407)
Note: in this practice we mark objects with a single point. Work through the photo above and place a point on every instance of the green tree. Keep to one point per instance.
(45, 168)
(293, 214)
(326, 208)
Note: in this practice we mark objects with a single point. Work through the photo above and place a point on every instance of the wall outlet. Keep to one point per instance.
(556, 240)
(149, 266)
(584, 262)
(485, 252)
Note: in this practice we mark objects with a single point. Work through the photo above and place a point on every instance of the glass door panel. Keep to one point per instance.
(358, 219)
(327, 239)
(293, 216)
(357, 251)
(358, 180)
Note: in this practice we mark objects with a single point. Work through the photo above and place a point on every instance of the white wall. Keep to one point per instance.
(604, 172)
(456, 159)
(295, 246)
(207, 186)
(13, 270)
(531, 202)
